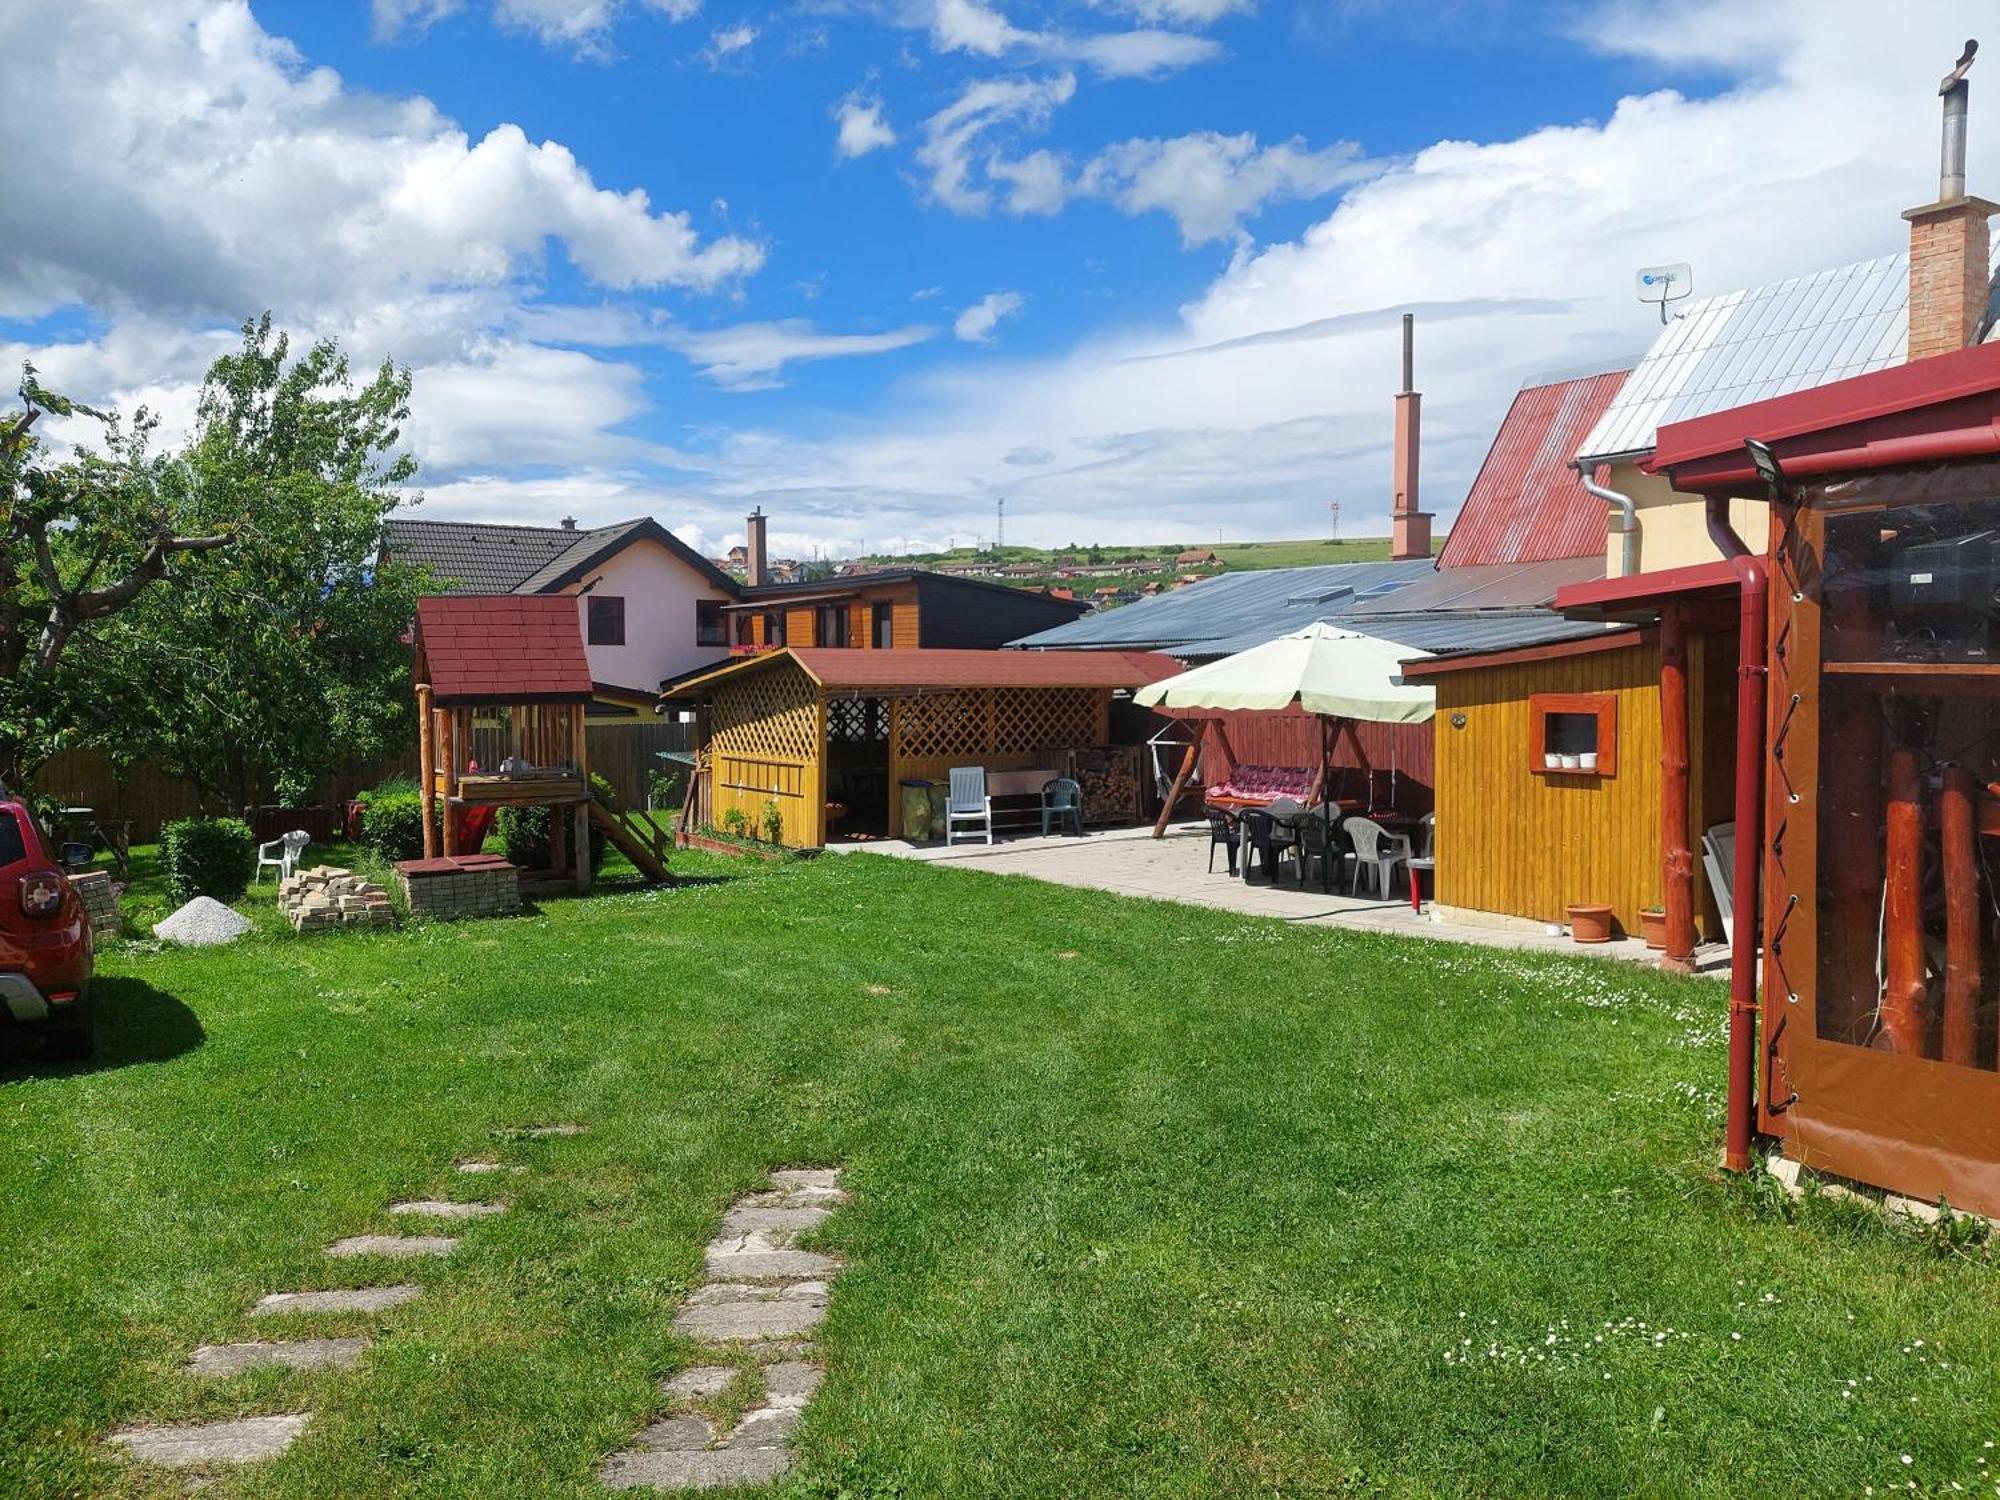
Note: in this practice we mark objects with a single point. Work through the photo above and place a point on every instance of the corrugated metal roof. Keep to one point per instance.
(849, 670)
(1498, 586)
(1441, 633)
(1752, 345)
(1527, 504)
(505, 648)
(1272, 601)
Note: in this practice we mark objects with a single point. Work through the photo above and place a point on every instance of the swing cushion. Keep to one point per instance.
(1266, 783)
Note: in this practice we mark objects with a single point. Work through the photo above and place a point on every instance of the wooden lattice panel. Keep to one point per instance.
(1031, 719)
(942, 724)
(767, 716)
(857, 721)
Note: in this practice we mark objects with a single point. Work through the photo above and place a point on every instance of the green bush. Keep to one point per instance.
(524, 832)
(207, 857)
(392, 824)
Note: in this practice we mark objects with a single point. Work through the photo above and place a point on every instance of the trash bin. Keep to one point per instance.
(940, 794)
(916, 810)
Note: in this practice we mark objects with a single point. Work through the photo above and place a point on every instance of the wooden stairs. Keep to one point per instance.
(633, 834)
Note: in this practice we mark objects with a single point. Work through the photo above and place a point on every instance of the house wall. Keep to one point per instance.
(1673, 528)
(902, 598)
(1527, 844)
(963, 615)
(659, 591)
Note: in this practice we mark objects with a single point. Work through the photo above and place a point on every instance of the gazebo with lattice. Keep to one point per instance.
(820, 733)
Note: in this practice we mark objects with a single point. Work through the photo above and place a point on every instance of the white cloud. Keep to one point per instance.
(752, 356)
(1210, 183)
(961, 129)
(397, 18)
(976, 324)
(202, 167)
(1182, 12)
(981, 29)
(863, 126)
(582, 25)
(727, 42)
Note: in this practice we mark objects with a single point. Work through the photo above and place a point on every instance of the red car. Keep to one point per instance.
(45, 954)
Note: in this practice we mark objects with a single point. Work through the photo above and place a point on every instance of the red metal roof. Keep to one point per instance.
(503, 648)
(850, 670)
(1527, 505)
(1947, 406)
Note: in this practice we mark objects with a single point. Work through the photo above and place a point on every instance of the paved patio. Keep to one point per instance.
(1131, 862)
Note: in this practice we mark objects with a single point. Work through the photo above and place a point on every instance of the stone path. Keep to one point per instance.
(763, 1299)
(250, 1439)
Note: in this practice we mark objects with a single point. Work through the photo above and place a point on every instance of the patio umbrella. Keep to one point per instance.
(1338, 674)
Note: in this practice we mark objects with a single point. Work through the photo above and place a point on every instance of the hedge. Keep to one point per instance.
(208, 857)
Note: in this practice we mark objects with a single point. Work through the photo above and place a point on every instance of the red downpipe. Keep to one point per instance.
(1752, 588)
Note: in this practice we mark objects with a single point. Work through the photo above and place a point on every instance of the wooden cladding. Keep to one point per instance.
(1579, 727)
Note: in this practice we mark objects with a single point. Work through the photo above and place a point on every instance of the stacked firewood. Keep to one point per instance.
(1109, 776)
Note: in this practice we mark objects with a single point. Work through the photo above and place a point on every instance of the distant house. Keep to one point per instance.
(1200, 557)
(650, 606)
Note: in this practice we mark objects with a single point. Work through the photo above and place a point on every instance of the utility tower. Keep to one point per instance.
(1000, 523)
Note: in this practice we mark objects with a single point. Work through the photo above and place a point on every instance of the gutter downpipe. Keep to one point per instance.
(1752, 587)
(1627, 523)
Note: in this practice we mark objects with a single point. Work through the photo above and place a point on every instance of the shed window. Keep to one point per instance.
(607, 620)
(708, 627)
(1573, 734)
(882, 625)
(830, 625)
(774, 627)
(746, 630)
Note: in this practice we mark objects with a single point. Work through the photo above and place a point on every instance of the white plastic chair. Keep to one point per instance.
(1718, 857)
(1377, 851)
(967, 802)
(282, 854)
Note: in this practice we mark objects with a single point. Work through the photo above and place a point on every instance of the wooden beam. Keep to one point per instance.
(1676, 851)
(1961, 917)
(427, 766)
(1180, 779)
(452, 753)
(1906, 999)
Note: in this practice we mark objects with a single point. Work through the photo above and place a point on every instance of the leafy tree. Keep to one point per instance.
(285, 656)
(83, 537)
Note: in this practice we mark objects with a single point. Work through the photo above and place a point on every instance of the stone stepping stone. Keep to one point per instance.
(711, 1469)
(727, 1311)
(791, 1383)
(487, 1166)
(392, 1246)
(439, 1208)
(698, 1383)
(294, 1354)
(686, 1433)
(541, 1132)
(765, 1427)
(355, 1299)
(243, 1441)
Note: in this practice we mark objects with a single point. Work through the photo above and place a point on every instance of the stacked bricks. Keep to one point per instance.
(460, 885)
(328, 896)
(100, 900)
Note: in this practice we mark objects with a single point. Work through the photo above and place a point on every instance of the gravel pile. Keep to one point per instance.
(203, 922)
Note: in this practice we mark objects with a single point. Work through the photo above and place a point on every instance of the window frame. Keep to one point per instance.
(711, 625)
(614, 606)
(1602, 706)
(835, 621)
(882, 625)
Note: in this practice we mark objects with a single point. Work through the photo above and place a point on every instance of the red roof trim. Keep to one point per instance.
(838, 669)
(1947, 406)
(1637, 594)
(1590, 645)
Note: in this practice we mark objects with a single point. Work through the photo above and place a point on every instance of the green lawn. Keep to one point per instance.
(1149, 1201)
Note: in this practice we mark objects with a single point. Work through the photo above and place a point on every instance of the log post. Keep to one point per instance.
(1905, 1000)
(1676, 854)
(427, 766)
(579, 749)
(1961, 917)
(1180, 781)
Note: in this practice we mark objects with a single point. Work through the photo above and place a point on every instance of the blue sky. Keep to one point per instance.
(1116, 183)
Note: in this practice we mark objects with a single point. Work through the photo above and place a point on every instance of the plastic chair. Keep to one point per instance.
(966, 802)
(281, 854)
(1062, 801)
(1424, 859)
(1263, 838)
(1377, 851)
(1222, 830)
(1317, 833)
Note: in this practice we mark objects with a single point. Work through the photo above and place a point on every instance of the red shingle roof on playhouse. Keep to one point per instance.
(502, 648)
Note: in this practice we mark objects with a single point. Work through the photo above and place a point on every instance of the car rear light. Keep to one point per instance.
(41, 893)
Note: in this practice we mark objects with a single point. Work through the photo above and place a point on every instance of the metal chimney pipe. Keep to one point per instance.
(1951, 161)
(1410, 334)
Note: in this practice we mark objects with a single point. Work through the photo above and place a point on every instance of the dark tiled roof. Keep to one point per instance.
(490, 559)
(503, 648)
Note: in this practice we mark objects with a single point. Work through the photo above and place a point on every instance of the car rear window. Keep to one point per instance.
(13, 847)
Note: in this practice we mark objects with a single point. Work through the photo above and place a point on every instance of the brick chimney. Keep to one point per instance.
(756, 568)
(1410, 527)
(1949, 245)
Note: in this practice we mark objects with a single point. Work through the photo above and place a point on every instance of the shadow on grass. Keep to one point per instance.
(136, 1023)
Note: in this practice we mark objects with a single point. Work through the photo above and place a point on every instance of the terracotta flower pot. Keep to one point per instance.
(1589, 922)
(1653, 928)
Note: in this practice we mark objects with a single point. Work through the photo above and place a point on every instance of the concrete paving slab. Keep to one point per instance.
(791, 1383)
(439, 1208)
(698, 1383)
(242, 1441)
(355, 1299)
(392, 1246)
(487, 1166)
(780, 1224)
(793, 1178)
(716, 1469)
(724, 1312)
(289, 1354)
(541, 1132)
(745, 1262)
(686, 1433)
(765, 1427)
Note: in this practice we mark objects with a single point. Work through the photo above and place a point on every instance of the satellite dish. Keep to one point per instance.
(1664, 284)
